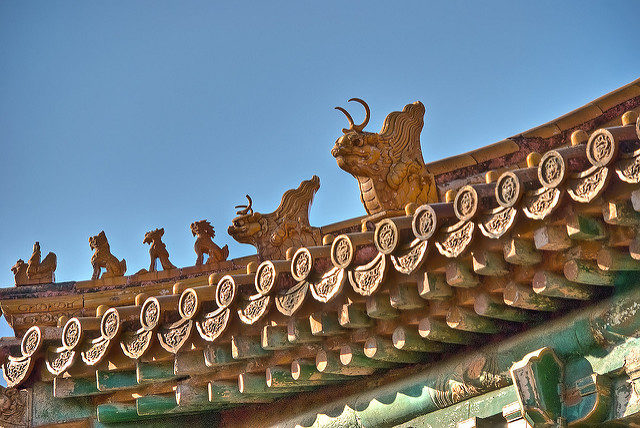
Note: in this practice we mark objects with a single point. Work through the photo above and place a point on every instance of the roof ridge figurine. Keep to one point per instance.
(205, 245)
(288, 226)
(102, 258)
(35, 271)
(388, 165)
(157, 250)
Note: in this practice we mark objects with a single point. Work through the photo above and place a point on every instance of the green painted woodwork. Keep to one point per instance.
(114, 381)
(217, 355)
(274, 337)
(152, 372)
(354, 315)
(156, 404)
(587, 332)
(538, 378)
(75, 387)
(243, 347)
(49, 410)
(228, 392)
(116, 412)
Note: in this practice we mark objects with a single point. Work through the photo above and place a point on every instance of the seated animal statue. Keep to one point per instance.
(35, 271)
(20, 272)
(288, 226)
(205, 245)
(158, 249)
(388, 165)
(102, 258)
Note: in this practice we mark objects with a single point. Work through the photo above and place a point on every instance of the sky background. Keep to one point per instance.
(128, 116)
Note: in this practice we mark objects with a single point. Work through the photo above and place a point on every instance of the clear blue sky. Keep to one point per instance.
(127, 116)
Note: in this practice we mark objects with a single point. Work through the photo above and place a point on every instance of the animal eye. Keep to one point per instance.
(355, 139)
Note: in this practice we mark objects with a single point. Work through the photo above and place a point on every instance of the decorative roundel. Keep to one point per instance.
(225, 291)
(301, 264)
(465, 204)
(551, 170)
(110, 323)
(386, 236)
(424, 222)
(31, 341)
(265, 277)
(601, 149)
(188, 303)
(150, 313)
(508, 189)
(71, 333)
(341, 251)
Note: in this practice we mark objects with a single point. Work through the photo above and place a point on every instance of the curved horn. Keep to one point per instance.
(367, 116)
(349, 118)
(245, 208)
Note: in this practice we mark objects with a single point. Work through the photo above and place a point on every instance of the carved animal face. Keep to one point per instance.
(153, 235)
(246, 228)
(357, 152)
(202, 228)
(98, 241)
(19, 268)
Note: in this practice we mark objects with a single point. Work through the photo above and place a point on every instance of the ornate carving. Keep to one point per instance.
(94, 353)
(539, 204)
(59, 360)
(15, 370)
(35, 271)
(205, 245)
(213, 324)
(255, 308)
(110, 323)
(134, 344)
(288, 226)
(102, 258)
(601, 148)
(498, 223)
(150, 314)
(628, 168)
(188, 303)
(366, 279)
(71, 333)
(329, 285)
(388, 165)
(551, 170)
(31, 341)
(589, 185)
(508, 190)
(265, 277)
(457, 239)
(465, 204)
(424, 222)
(173, 337)
(301, 264)
(289, 301)
(15, 408)
(386, 236)
(408, 262)
(158, 250)
(225, 291)
(342, 251)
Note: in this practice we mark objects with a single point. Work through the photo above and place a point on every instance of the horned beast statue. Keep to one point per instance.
(388, 165)
(288, 226)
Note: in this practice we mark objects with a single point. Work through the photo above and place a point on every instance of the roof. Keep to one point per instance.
(549, 233)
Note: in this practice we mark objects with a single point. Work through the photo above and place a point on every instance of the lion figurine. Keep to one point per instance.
(102, 258)
(205, 245)
(158, 249)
